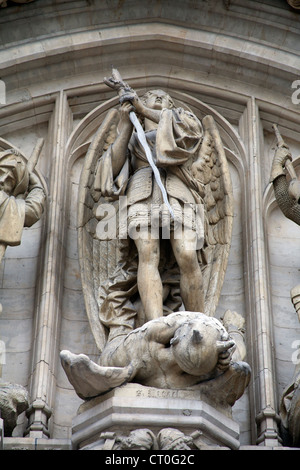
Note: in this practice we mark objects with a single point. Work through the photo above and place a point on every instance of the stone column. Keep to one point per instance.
(263, 391)
(48, 306)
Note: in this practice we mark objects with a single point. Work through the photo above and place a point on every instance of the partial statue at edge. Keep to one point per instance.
(22, 196)
(22, 202)
(169, 175)
(286, 186)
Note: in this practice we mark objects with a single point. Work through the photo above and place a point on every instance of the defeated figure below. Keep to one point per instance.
(179, 351)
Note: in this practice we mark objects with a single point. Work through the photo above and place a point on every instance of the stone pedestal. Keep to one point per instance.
(103, 422)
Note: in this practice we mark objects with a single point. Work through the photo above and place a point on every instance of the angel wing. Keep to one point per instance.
(213, 174)
(90, 249)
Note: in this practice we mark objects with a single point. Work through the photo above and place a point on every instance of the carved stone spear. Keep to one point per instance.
(33, 159)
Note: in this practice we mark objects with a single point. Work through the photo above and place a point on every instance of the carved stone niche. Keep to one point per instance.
(167, 370)
(137, 417)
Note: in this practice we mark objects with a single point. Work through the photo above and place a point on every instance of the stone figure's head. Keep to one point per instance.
(173, 439)
(14, 175)
(139, 439)
(158, 99)
(198, 343)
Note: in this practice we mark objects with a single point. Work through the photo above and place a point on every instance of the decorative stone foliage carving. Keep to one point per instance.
(145, 439)
(168, 439)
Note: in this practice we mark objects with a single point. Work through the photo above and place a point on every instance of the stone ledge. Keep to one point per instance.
(31, 443)
(134, 407)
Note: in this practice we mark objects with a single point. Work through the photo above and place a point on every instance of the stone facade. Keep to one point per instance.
(237, 61)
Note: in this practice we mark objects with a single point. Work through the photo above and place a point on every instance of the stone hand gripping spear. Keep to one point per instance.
(294, 185)
(124, 90)
(282, 144)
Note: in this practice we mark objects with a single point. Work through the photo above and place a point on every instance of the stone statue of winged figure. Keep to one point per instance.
(164, 260)
(156, 206)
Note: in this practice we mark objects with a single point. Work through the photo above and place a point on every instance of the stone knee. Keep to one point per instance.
(148, 251)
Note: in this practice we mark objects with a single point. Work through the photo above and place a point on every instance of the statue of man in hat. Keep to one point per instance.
(22, 198)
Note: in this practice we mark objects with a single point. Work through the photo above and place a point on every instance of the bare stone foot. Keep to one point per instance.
(88, 378)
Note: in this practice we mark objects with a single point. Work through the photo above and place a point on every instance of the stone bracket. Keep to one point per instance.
(134, 407)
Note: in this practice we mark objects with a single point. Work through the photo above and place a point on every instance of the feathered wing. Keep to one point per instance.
(214, 176)
(94, 253)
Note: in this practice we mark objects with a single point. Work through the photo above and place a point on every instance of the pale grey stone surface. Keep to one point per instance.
(222, 57)
(155, 409)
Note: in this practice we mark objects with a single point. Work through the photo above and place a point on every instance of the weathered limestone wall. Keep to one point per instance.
(240, 58)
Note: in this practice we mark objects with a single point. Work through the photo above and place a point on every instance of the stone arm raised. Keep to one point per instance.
(35, 201)
(144, 111)
(127, 94)
(119, 149)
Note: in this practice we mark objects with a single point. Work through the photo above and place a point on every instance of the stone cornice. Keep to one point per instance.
(252, 47)
(86, 54)
(248, 44)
